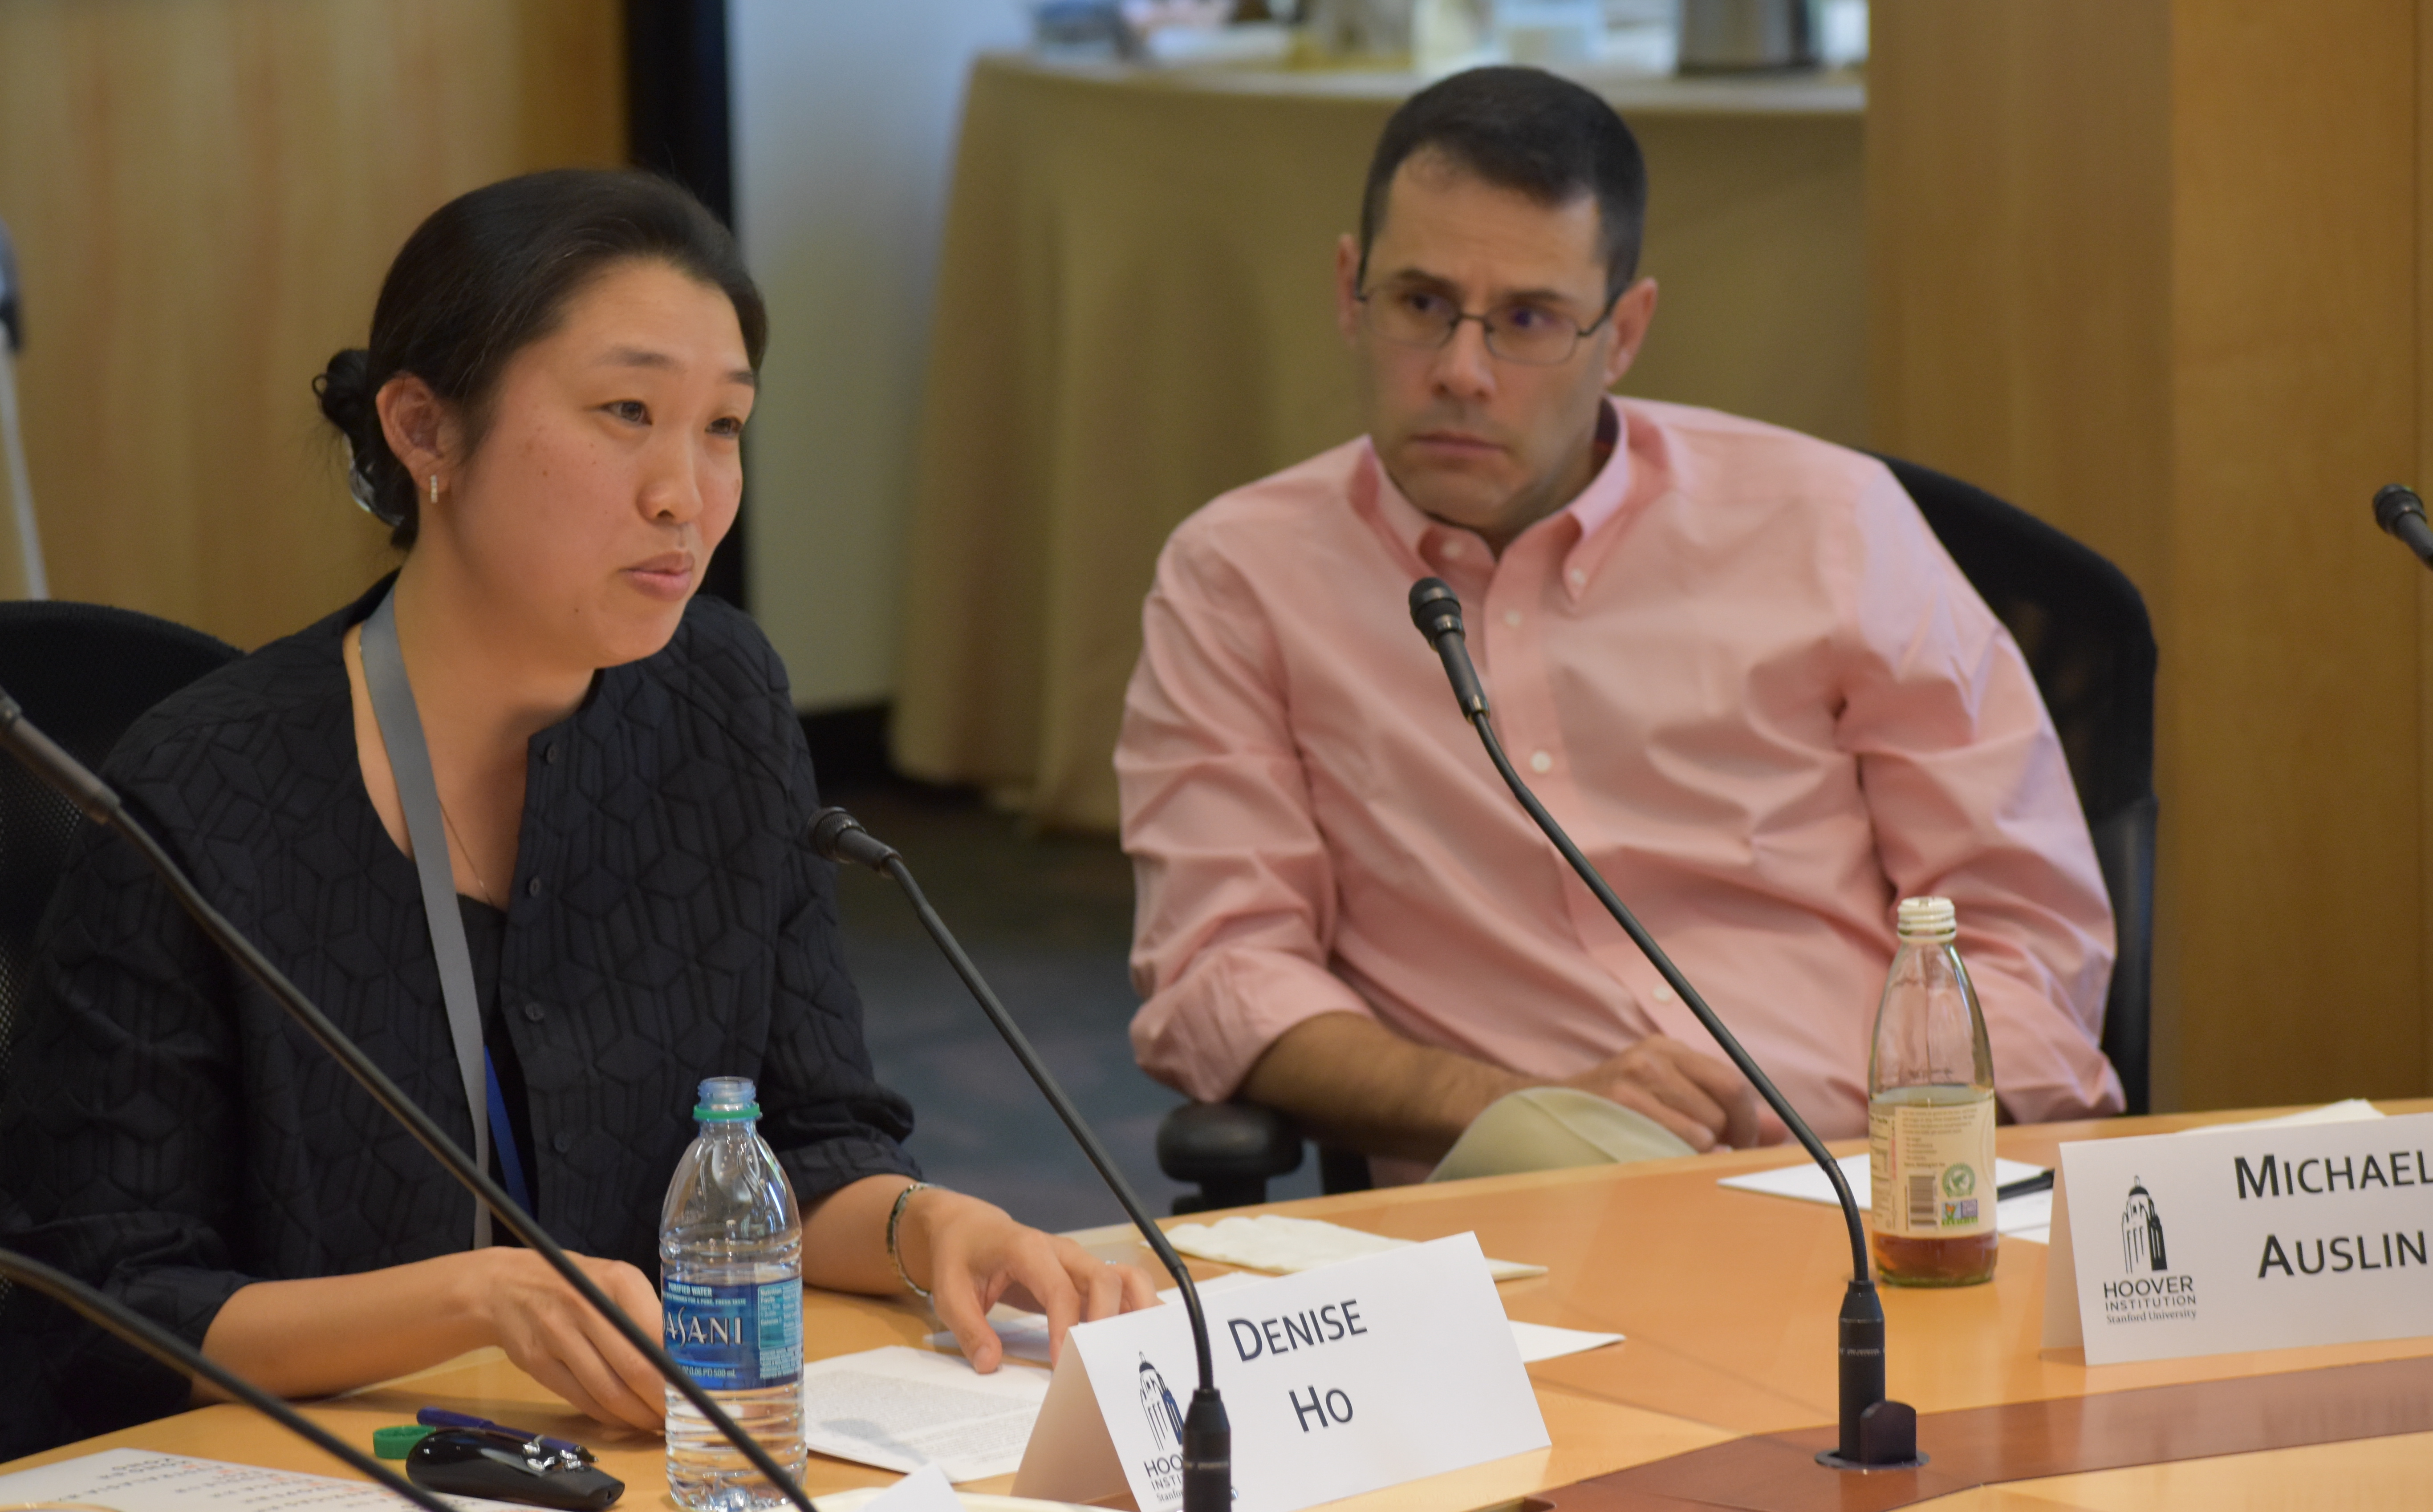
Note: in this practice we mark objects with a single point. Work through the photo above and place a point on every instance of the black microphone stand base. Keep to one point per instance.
(1887, 1441)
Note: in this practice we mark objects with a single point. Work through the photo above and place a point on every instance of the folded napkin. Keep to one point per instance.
(1274, 1242)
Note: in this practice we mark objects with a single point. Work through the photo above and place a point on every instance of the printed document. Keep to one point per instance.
(901, 1408)
(142, 1480)
(2028, 1217)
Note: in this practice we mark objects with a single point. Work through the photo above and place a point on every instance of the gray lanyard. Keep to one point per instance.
(418, 794)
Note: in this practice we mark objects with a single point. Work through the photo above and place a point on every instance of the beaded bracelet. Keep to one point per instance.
(896, 1219)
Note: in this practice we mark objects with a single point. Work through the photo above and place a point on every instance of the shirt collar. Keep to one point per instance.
(1435, 545)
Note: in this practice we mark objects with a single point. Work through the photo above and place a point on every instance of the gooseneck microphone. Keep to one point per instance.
(2398, 511)
(1207, 1437)
(98, 803)
(1877, 1434)
(175, 1352)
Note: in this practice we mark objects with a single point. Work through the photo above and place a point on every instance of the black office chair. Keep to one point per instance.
(82, 672)
(2083, 628)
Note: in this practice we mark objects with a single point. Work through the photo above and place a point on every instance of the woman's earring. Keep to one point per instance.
(435, 490)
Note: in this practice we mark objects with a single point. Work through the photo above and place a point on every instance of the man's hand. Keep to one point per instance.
(1703, 1099)
(972, 1255)
(560, 1342)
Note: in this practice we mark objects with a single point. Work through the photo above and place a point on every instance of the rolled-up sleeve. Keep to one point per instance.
(1971, 799)
(1236, 891)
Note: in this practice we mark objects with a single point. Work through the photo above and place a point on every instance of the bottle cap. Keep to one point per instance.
(1928, 919)
(726, 1100)
(396, 1443)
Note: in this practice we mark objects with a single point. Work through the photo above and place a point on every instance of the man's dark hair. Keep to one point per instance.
(488, 274)
(1523, 129)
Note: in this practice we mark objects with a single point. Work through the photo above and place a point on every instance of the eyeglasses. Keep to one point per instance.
(1529, 334)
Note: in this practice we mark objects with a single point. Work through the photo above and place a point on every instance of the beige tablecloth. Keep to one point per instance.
(1136, 313)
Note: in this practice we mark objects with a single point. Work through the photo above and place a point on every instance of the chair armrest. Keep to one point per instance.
(1230, 1150)
(2124, 849)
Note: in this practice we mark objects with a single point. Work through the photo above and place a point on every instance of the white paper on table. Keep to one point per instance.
(1544, 1341)
(1025, 1334)
(2028, 1217)
(926, 1489)
(865, 1498)
(901, 1408)
(142, 1480)
(1273, 1242)
(2348, 1111)
(2020, 1217)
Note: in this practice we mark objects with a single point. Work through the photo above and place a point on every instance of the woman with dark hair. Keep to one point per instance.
(549, 416)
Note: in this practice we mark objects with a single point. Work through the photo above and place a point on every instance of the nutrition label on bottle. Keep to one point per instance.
(1933, 1167)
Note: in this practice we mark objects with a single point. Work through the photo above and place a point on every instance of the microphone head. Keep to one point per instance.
(838, 836)
(828, 829)
(2392, 501)
(1435, 607)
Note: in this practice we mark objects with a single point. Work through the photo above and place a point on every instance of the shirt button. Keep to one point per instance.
(549, 753)
(532, 889)
(561, 1141)
(1453, 549)
(534, 1012)
(1578, 578)
(1540, 761)
(1512, 617)
(1663, 992)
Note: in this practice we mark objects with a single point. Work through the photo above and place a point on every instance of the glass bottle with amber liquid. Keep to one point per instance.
(1931, 1112)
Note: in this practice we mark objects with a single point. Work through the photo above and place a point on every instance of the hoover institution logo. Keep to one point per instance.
(1162, 1470)
(2148, 1292)
(1157, 1405)
(2141, 1233)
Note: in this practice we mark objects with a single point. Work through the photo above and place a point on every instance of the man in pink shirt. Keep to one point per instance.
(1732, 660)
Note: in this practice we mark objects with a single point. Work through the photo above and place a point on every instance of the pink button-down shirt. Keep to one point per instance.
(1738, 669)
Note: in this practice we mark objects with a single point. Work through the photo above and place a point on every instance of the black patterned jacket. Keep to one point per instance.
(167, 1134)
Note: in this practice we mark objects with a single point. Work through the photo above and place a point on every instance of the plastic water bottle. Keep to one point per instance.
(731, 1286)
(1931, 1112)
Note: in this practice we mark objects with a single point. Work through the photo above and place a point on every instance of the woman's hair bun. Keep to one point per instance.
(373, 477)
(345, 391)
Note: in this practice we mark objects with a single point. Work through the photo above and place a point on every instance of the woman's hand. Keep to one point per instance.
(324, 1334)
(972, 1255)
(552, 1333)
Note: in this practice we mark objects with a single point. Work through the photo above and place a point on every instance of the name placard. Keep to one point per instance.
(2259, 1237)
(1347, 1379)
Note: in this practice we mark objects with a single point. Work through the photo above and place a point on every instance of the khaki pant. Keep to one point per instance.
(1554, 1128)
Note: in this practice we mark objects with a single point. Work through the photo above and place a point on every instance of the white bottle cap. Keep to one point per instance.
(1928, 919)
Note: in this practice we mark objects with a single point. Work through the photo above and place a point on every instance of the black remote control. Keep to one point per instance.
(505, 1467)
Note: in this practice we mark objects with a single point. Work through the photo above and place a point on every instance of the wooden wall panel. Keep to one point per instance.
(2150, 267)
(2424, 416)
(2018, 279)
(2019, 226)
(2295, 682)
(204, 195)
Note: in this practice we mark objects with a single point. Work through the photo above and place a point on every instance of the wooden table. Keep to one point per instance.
(1727, 1381)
